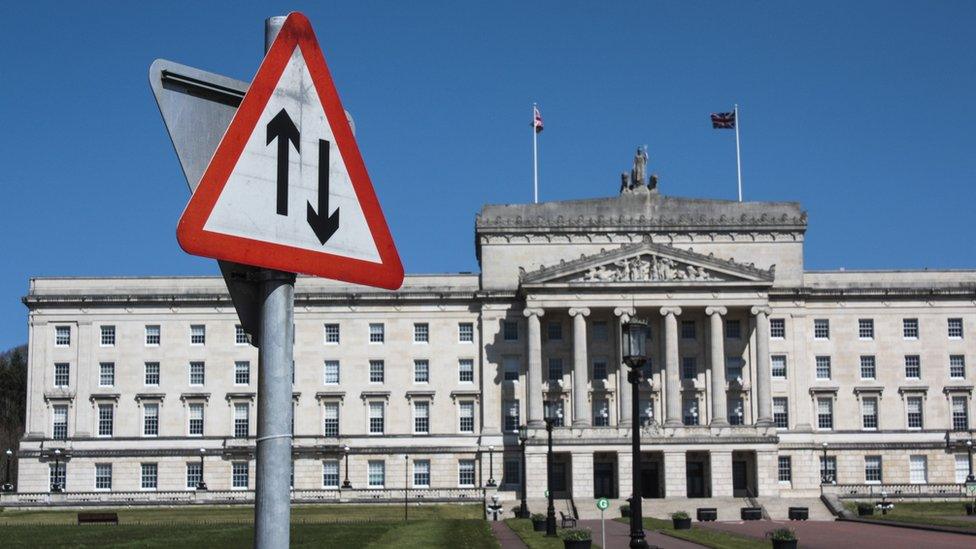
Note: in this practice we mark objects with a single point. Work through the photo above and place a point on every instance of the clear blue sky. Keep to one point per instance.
(864, 112)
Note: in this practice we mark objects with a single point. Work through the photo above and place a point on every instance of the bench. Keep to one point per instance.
(567, 522)
(98, 518)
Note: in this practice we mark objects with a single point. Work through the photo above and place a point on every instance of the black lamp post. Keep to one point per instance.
(202, 485)
(346, 483)
(491, 467)
(56, 485)
(523, 436)
(969, 447)
(825, 472)
(8, 487)
(406, 483)
(553, 415)
(634, 354)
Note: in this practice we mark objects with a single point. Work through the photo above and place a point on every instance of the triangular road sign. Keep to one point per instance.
(287, 188)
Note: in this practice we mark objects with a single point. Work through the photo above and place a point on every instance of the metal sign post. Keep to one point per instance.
(602, 505)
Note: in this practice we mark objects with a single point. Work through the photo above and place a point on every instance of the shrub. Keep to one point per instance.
(864, 507)
(576, 534)
(625, 508)
(537, 516)
(680, 515)
(781, 534)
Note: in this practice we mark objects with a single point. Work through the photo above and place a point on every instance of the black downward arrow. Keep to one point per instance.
(322, 223)
(282, 128)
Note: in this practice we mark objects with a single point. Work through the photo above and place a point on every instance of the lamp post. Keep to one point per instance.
(345, 483)
(491, 467)
(523, 436)
(824, 473)
(551, 418)
(202, 485)
(56, 485)
(406, 483)
(969, 448)
(634, 354)
(8, 487)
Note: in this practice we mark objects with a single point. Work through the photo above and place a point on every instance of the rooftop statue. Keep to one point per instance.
(637, 178)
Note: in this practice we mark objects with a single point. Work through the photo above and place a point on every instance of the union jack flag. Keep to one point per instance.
(537, 119)
(723, 120)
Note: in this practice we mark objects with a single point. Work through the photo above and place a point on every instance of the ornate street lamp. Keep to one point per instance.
(969, 448)
(346, 484)
(491, 467)
(202, 485)
(406, 484)
(634, 353)
(56, 485)
(554, 415)
(523, 436)
(8, 487)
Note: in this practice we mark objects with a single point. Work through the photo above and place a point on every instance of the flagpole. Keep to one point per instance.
(535, 157)
(738, 161)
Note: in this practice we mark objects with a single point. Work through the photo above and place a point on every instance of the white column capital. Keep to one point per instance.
(760, 310)
(584, 311)
(624, 311)
(666, 311)
(721, 311)
(537, 312)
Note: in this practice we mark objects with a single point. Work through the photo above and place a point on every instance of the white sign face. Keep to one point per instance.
(252, 204)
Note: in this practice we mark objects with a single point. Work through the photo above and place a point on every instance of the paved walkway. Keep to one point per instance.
(618, 536)
(833, 534)
(505, 536)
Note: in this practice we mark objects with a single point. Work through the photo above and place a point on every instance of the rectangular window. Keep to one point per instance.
(872, 469)
(198, 334)
(777, 328)
(195, 415)
(466, 416)
(376, 371)
(150, 476)
(778, 366)
(421, 473)
(106, 374)
(554, 330)
(332, 334)
(194, 474)
(913, 367)
(510, 330)
(825, 413)
(960, 413)
(331, 372)
(240, 336)
(733, 329)
(151, 374)
(197, 373)
(511, 366)
(421, 332)
(735, 412)
(57, 474)
(821, 328)
(242, 420)
(60, 422)
(106, 420)
(865, 328)
(645, 407)
(62, 336)
(421, 417)
(553, 409)
(781, 413)
(955, 328)
(689, 367)
(689, 407)
(909, 328)
(913, 409)
(823, 367)
(828, 470)
(466, 472)
(103, 476)
(421, 371)
(962, 468)
(512, 472)
(688, 329)
(62, 374)
(242, 372)
(601, 412)
(600, 369)
(150, 420)
(466, 370)
(512, 419)
(377, 474)
(465, 332)
(957, 366)
(376, 418)
(733, 369)
(240, 475)
(918, 469)
(377, 333)
(555, 369)
(784, 469)
(107, 336)
(330, 474)
(153, 336)
(868, 367)
(600, 330)
(330, 411)
(869, 413)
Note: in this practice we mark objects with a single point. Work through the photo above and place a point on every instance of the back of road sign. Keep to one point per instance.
(287, 188)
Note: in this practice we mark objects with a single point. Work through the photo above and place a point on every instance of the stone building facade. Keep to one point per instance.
(764, 379)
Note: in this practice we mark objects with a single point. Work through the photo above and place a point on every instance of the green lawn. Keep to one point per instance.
(937, 513)
(535, 540)
(703, 536)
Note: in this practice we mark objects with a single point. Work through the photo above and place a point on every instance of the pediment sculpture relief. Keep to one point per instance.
(646, 268)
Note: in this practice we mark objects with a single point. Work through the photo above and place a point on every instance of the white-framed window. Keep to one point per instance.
(781, 413)
(62, 374)
(778, 366)
(103, 476)
(376, 473)
(909, 328)
(376, 371)
(240, 475)
(62, 336)
(194, 474)
(421, 473)
(601, 412)
(466, 370)
(689, 409)
(242, 419)
(600, 369)
(915, 416)
(377, 332)
(197, 373)
(153, 335)
(555, 370)
(822, 367)
(554, 330)
(777, 328)
(57, 474)
(869, 413)
(194, 413)
(331, 375)
(198, 334)
(330, 413)
(150, 476)
(554, 409)
(376, 418)
(918, 470)
(600, 331)
(825, 413)
(821, 328)
(954, 326)
(151, 374)
(421, 417)
(689, 367)
(421, 332)
(421, 371)
(465, 473)
(735, 410)
(332, 333)
(828, 469)
(913, 367)
(733, 369)
(510, 330)
(107, 336)
(511, 365)
(150, 419)
(106, 419)
(869, 368)
(466, 416)
(242, 372)
(960, 413)
(511, 472)
(688, 330)
(59, 426)
(872, 469)
(961, 468)
(865, 328)
(106, 374)
(465, 332)
(330, 474)
(784, 469)
(733, 329)
(240, 336)
(512, 419)
(645, 407)
(957, 366)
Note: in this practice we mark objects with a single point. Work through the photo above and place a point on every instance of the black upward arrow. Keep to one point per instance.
(282, 128)
(322, 223)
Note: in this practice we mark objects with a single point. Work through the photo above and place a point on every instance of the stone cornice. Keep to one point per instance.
(964, 292)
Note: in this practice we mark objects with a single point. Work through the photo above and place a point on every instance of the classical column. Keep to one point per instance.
(673, 375)
(581, 417)
(623, 390)
(764, 398)
(533, 386)
(716, 336)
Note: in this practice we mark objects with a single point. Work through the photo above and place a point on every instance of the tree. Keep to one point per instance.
(13, 399)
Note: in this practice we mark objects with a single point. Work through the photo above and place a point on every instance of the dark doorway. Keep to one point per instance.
(697, 467)
(652, 473)
(605, 476)
(744, 474)
(561, 479)
(739, 478)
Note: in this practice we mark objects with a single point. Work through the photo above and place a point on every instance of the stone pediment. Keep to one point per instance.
(648, 262)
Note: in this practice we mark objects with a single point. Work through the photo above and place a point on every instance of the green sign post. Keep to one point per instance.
(603, 504)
